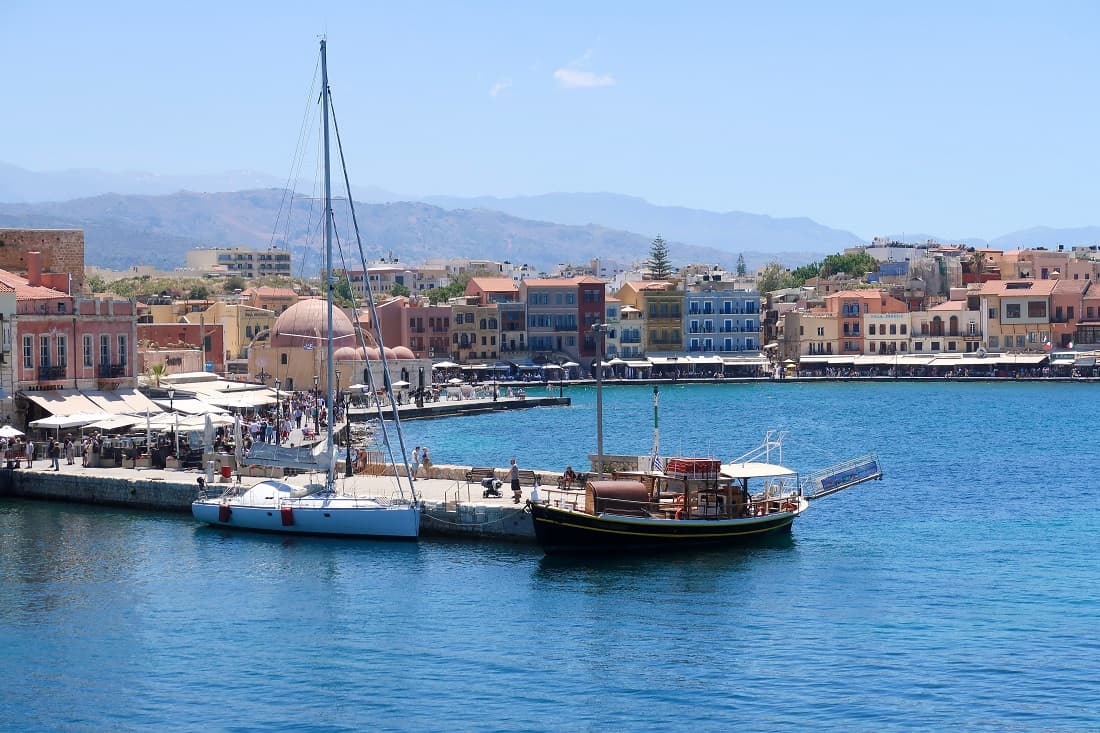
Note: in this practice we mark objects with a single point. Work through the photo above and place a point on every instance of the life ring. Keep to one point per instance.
(678, 499)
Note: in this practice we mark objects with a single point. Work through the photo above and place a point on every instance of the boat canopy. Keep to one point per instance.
(755, 469)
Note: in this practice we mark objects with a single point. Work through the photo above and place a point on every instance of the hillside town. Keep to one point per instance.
(926, 309)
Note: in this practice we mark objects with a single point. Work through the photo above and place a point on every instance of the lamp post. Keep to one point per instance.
(278, 402)
(601, 329)
(175, 419)
(316, 382)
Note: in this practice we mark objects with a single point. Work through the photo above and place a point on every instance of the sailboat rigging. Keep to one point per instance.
(275, 506)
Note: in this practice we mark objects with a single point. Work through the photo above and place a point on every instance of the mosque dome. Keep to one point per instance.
(347, 353)
(403, 352)
(306, 322)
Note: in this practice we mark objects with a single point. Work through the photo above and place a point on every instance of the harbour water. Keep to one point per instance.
(959, 592)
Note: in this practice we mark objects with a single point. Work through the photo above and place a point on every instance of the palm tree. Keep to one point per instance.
(156, 371)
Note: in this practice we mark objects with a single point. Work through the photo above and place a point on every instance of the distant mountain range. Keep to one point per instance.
(141, 218)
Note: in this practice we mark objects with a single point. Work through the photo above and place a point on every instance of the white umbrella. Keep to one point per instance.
(9, 432)
(444, 365)
(358, 387)
(454, 380)
(570, 364)
(208, 434)
(400, 383)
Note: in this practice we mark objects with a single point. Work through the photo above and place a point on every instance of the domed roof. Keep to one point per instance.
(403, 352)
(347, 353)
(306, 322)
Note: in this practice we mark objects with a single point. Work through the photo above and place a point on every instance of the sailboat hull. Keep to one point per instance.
(336, 515)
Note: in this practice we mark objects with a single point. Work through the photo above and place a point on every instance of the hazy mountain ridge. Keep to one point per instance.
(126, 230)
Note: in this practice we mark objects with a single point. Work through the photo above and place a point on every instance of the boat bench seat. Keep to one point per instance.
(528, 478)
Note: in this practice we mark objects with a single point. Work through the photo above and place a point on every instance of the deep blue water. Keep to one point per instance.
(959, 592)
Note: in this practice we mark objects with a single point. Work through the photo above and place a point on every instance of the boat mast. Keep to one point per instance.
(329, 377)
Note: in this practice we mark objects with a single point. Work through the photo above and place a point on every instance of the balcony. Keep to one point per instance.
(48, 373)
(110, 371)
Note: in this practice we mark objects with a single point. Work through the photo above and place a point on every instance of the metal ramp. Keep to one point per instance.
(842, 476)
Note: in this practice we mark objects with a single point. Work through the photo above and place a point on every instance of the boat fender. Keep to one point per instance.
(224, 512)
(679, 514)
(678, 499)
(287, 515)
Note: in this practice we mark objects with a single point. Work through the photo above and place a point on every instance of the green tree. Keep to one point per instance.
(233, 284)
(400, 289)
(855, 265)
(96, 284)
(741, 269)
(773, 276)
(341, 292)
(456, 288)
(199, 291)
(660, 267)
(156, 371)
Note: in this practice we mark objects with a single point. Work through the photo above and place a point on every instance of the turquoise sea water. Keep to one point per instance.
(959, 592)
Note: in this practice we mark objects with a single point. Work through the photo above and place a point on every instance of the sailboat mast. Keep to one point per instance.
(329, 377)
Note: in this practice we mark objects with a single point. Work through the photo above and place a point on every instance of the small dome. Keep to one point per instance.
(306, 322)
(389, 353)
(347, 353)
(403, 352)
(372, 354)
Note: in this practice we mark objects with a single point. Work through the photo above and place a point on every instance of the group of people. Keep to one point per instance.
(421, 457)
(16, 451)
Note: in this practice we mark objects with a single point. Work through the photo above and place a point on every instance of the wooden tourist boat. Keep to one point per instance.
(693, 503)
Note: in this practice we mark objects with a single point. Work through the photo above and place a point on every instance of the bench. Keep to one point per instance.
(476, 474)
(528, 478)
(578, 483)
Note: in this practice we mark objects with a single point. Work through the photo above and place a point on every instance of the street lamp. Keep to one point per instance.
(316, 382)
(602, 329)
(278, 403)
(175, 419)
(336, 372)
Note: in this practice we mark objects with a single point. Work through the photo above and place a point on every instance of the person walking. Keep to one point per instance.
(416, 462)
(426, 461)
(513, 478)
(29, 453)
(70, 451)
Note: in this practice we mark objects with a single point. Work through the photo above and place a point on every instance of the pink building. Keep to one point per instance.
(66, 342)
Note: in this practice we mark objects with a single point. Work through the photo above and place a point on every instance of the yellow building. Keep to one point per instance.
(661, 304)
(275, 300)
(474, 331)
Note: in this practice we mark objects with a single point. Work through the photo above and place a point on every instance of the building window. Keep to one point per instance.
(992, 313)
(1012, 310)
(61, 307)
(62, 351)
(43, 351)
(1036, 309)
(282, 359)
(994, 342)
(28, 352)
(88, 353)
(918, 346)
(104, 350)
(122, 349)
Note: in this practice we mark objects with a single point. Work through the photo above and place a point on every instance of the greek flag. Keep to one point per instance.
(308, 347)
(657, 464)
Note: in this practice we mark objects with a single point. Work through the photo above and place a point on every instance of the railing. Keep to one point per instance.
(110, 371)
(46, 373)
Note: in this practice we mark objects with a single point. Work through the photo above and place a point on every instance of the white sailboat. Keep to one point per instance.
(275, 506)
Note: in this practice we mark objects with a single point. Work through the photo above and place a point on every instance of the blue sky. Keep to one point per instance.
(959, 119)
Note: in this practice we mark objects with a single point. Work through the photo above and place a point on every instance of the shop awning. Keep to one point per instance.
(125, 400)
(63, 402)
(638, 364)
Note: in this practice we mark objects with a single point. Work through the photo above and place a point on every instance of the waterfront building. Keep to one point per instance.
(415, 323)
(1066, 301)
(474, 330)
(1088, 324)
(722, 321)
(241, 325)
(554, 332)
(611, 341)
(661, 302)
(1016, 314)
(850, 306)
(886, 333)
(68, 342)
(243, 262)
(808, 333)
(953, 326)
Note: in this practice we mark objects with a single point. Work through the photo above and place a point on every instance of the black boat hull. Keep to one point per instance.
(563, 531)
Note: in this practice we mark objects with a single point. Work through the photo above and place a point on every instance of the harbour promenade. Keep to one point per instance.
(451, 506)
(474, 406)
